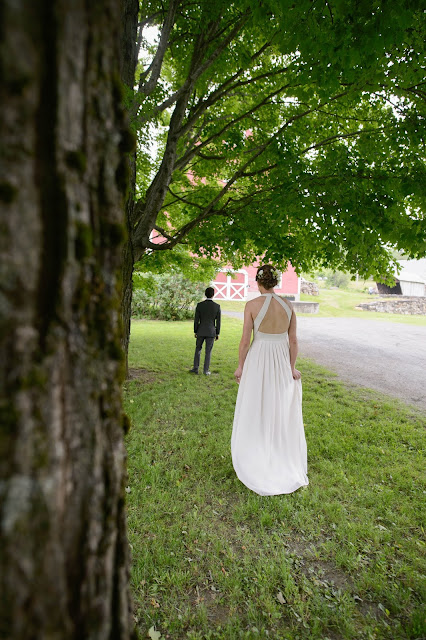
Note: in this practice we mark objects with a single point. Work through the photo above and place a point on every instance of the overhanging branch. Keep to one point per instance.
(196, 149)
(197, 71)
(341, 136)
(146, 88)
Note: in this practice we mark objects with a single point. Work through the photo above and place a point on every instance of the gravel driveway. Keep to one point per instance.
(385, 356)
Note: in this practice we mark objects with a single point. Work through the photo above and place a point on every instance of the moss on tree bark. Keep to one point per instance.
(63, 548)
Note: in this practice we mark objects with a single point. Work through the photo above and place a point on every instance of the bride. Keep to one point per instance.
(268, 440)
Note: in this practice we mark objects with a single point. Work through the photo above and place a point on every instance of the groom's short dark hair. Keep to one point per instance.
(209, 292)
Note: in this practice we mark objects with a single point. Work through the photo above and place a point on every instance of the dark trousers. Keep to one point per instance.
(198, 348)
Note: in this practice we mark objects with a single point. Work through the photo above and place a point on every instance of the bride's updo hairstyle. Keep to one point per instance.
(267, 276)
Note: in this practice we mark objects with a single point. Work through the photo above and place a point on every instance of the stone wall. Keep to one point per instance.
(310, 288)
(404, 306)
(306, 307)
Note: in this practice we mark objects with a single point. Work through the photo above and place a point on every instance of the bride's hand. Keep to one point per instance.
(296, 374)
(237, 374)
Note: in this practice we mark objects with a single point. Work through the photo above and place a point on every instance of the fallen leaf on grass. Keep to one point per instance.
(154, 603)
(153, 634)
(281, 598)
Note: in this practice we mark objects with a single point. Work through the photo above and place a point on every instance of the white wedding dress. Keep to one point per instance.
(268, 440)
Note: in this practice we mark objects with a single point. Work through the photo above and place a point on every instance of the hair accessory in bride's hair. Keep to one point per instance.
(267, 276)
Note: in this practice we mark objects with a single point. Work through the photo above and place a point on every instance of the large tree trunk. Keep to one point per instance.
(63, 549)
(129, 20)
(128, 262)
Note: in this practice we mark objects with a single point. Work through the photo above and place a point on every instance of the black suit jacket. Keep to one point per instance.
(207, 319)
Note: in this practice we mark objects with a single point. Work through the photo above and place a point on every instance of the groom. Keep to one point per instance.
(206, 328)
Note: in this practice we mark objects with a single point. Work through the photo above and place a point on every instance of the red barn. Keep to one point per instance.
(240, 284)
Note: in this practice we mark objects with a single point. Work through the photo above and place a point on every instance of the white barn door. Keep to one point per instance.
(231, 288)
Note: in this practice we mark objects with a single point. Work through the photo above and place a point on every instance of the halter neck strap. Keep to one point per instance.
(262, 313)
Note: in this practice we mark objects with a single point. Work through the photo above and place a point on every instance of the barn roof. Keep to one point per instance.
(409, 276)
(412, 271)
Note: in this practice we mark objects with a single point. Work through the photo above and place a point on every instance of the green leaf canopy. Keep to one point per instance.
(291, 130)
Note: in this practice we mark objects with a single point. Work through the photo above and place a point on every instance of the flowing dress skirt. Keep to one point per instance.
(268, 440)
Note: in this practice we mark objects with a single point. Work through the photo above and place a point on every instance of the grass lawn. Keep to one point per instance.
(339, 303)
(343, 558)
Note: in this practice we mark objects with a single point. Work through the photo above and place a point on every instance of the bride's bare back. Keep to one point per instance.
(276, 319)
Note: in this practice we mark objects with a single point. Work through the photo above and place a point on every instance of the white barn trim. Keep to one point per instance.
(231, 290)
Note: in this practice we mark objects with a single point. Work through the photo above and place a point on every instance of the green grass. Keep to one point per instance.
(339, 303)
(343, 558)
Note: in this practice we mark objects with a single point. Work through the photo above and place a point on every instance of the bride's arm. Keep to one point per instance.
(245, 341)
(294, 347)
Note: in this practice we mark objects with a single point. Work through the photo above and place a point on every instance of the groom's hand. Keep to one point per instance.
(217, 338)
(195, 335)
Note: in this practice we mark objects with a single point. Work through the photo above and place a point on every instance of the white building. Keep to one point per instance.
(412, 277)
(410, 281)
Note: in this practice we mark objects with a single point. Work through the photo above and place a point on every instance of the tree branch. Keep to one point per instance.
(222, 91)
(341, 136)
(195, 150)
(147, 88)
(330, 11)
(196, 72)
(209, 210)
(163, 232)
(185, 201)
(158, 188)
(249, 174)
(149, 20)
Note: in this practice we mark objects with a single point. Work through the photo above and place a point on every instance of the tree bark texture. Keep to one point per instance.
(128, 262)
(129, 54)
(128, 62)
(63, 177)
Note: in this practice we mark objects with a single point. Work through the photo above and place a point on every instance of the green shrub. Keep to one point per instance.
(331, 278)
(339, 279)
(165, 296)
